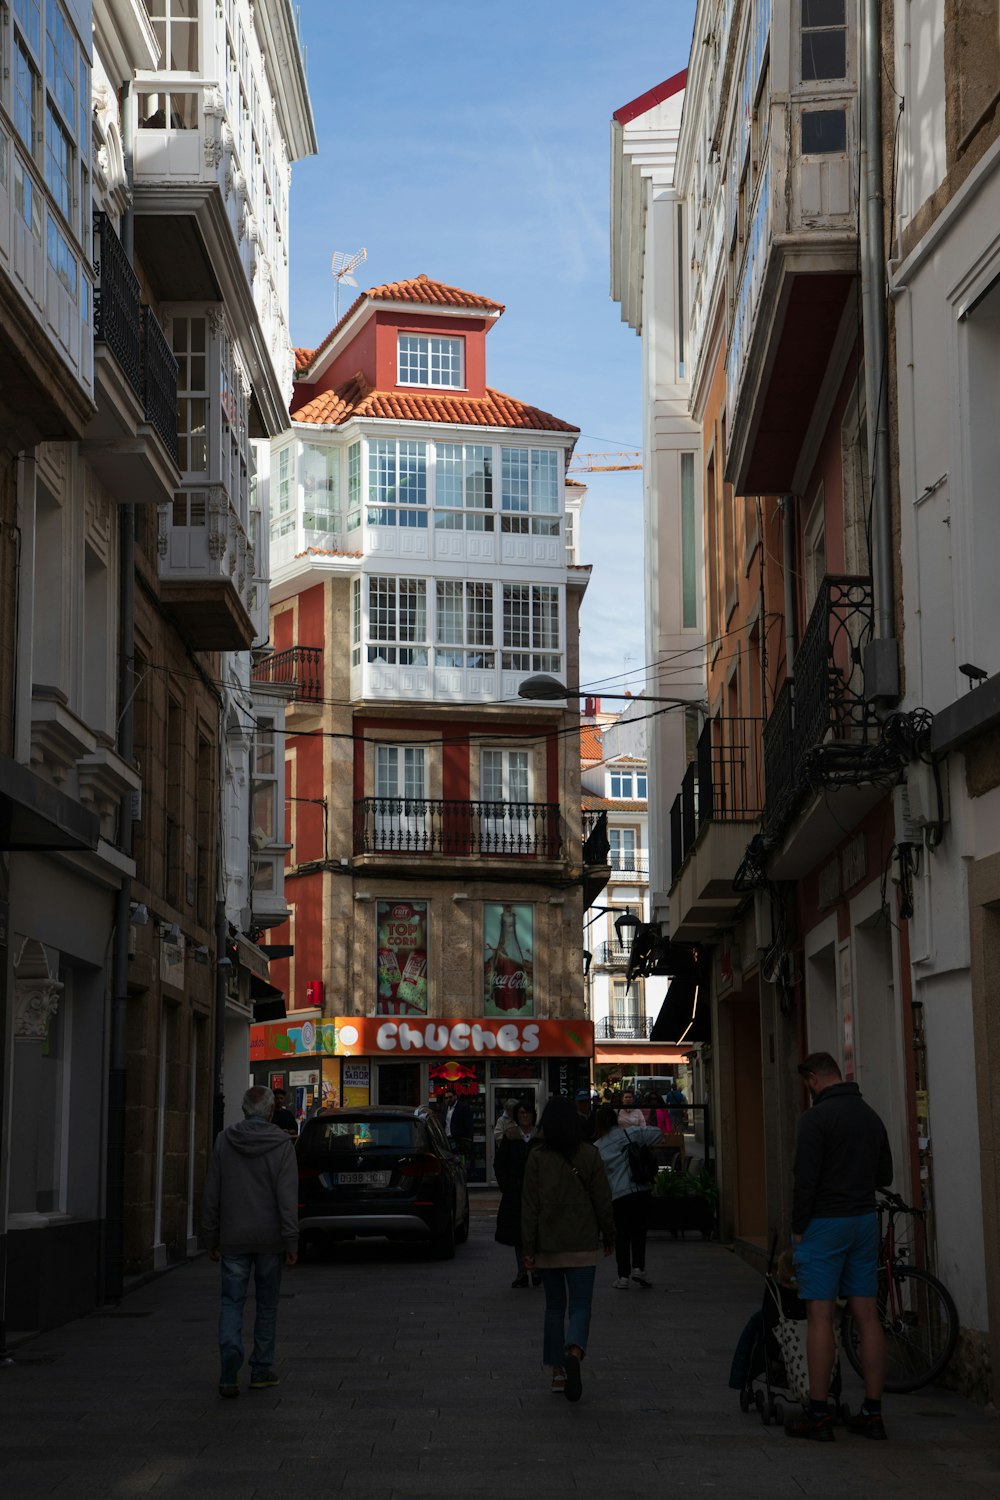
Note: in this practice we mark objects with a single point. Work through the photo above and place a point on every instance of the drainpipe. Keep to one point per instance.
(881, 659)
(223, 965)
(788, 575)
(113, 1259)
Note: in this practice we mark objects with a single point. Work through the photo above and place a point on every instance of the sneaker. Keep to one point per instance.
(520, 1281)
(867, 1424)
(263, 1379)
(536, 1279)
(818, 1428)
(639, 1277)
(227, 1390)
(574, 1385)
(558, 1381)
(621, 1285)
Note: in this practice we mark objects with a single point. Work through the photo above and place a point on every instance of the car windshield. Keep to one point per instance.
(330, 1137)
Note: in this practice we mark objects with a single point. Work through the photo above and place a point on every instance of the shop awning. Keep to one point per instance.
(268, 1001)
(683, 1018)
(250, 956)
(653, 1056)
(34, 815)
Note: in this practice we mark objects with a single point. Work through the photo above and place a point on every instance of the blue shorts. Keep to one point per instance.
(838, 1258)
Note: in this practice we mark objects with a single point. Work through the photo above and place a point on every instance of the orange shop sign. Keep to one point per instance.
(420, 1036)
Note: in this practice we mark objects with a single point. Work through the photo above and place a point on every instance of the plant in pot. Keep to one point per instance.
(685, 1200)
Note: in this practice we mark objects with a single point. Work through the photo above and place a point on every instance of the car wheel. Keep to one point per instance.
(443, 1245)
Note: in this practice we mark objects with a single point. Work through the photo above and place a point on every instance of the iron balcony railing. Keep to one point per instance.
(629, 864)
(418, 826)
(298, 667)
(721, 785)
(623, 1028)
(159, 382)
(614, 954)
(117, 299)
(825, 700)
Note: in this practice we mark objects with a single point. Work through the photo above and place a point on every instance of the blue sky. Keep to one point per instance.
(471, 142)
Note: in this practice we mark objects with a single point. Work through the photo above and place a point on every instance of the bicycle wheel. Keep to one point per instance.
(920, 1321)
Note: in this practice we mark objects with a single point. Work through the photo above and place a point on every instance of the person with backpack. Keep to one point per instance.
(566, 1218)
(631, 1167)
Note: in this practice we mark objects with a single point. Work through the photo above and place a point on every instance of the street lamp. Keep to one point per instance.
(545, 689)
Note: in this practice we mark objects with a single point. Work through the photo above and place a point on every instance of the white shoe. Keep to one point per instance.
(640, 1278)
(621, 1285)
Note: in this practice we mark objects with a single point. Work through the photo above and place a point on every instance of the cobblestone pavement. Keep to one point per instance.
(403, 1376)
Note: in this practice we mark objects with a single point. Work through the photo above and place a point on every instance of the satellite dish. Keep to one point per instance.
(341, 267)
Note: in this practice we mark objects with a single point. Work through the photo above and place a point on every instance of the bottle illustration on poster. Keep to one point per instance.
(508, 968)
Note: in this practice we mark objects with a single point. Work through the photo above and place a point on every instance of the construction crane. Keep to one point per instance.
(591, 463)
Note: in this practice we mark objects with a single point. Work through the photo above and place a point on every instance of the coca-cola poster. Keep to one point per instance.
(508, 968)
(402, 958)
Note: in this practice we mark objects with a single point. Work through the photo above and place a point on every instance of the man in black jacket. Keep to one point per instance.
(841, 1156)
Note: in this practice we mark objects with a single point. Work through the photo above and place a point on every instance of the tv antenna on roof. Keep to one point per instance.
(342, 265)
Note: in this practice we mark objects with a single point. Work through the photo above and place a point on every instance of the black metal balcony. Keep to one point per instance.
(298, 667)
(418, 826)
(159, 382)
(721, 784)
(614, 955)
(629, 865)
(117, 298)
(825, 701)
(623, 1028)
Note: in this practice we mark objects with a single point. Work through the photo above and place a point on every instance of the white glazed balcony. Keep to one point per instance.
(207, 569)
(186, 152)
(34, 297)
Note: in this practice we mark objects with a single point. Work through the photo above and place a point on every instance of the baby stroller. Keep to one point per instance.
(769, 1366)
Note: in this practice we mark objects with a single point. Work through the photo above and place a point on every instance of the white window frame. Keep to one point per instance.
(391, 495)
(396, 614)
(402, 814)
(423, 355)
(474, 509)
(529, 643)
(526, 506)
(505, 780)
(464, 612)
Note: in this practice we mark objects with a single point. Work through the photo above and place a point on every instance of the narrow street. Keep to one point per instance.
(405, 1377)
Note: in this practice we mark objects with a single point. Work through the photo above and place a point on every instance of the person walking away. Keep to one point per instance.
(841, 1156)
(250, 1218)
(630, 1114)
(630, 1199)
(508, 1166)
(457, 1120)
(583, 1109)
(676, 1102)
(565, 1215)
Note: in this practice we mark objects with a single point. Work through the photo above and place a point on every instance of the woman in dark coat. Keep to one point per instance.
(508, 1167)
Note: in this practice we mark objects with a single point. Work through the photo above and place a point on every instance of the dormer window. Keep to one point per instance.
(430, 361)
(624, 786)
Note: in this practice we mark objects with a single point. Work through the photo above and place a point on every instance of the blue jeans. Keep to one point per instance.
(575, 1284)
(235, 1282)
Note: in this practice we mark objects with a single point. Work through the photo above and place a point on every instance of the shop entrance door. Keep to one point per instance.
(499, 1092)
(399, 1083)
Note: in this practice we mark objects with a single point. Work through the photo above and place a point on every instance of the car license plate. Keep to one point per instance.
(362, 1179)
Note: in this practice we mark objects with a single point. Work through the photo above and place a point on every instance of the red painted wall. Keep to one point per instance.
(310, 629)
(283, 630)
(308, 783)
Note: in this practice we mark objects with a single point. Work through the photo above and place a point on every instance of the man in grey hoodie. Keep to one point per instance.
(251, 1221)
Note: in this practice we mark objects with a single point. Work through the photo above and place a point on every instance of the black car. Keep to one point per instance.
(381, 1170)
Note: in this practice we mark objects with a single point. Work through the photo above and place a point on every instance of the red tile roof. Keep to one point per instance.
(593, 803)
(355, 399)
(590, 742)
(326, 552)
(420, 290)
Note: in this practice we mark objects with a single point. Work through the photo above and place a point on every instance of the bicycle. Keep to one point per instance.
(917, 1312)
